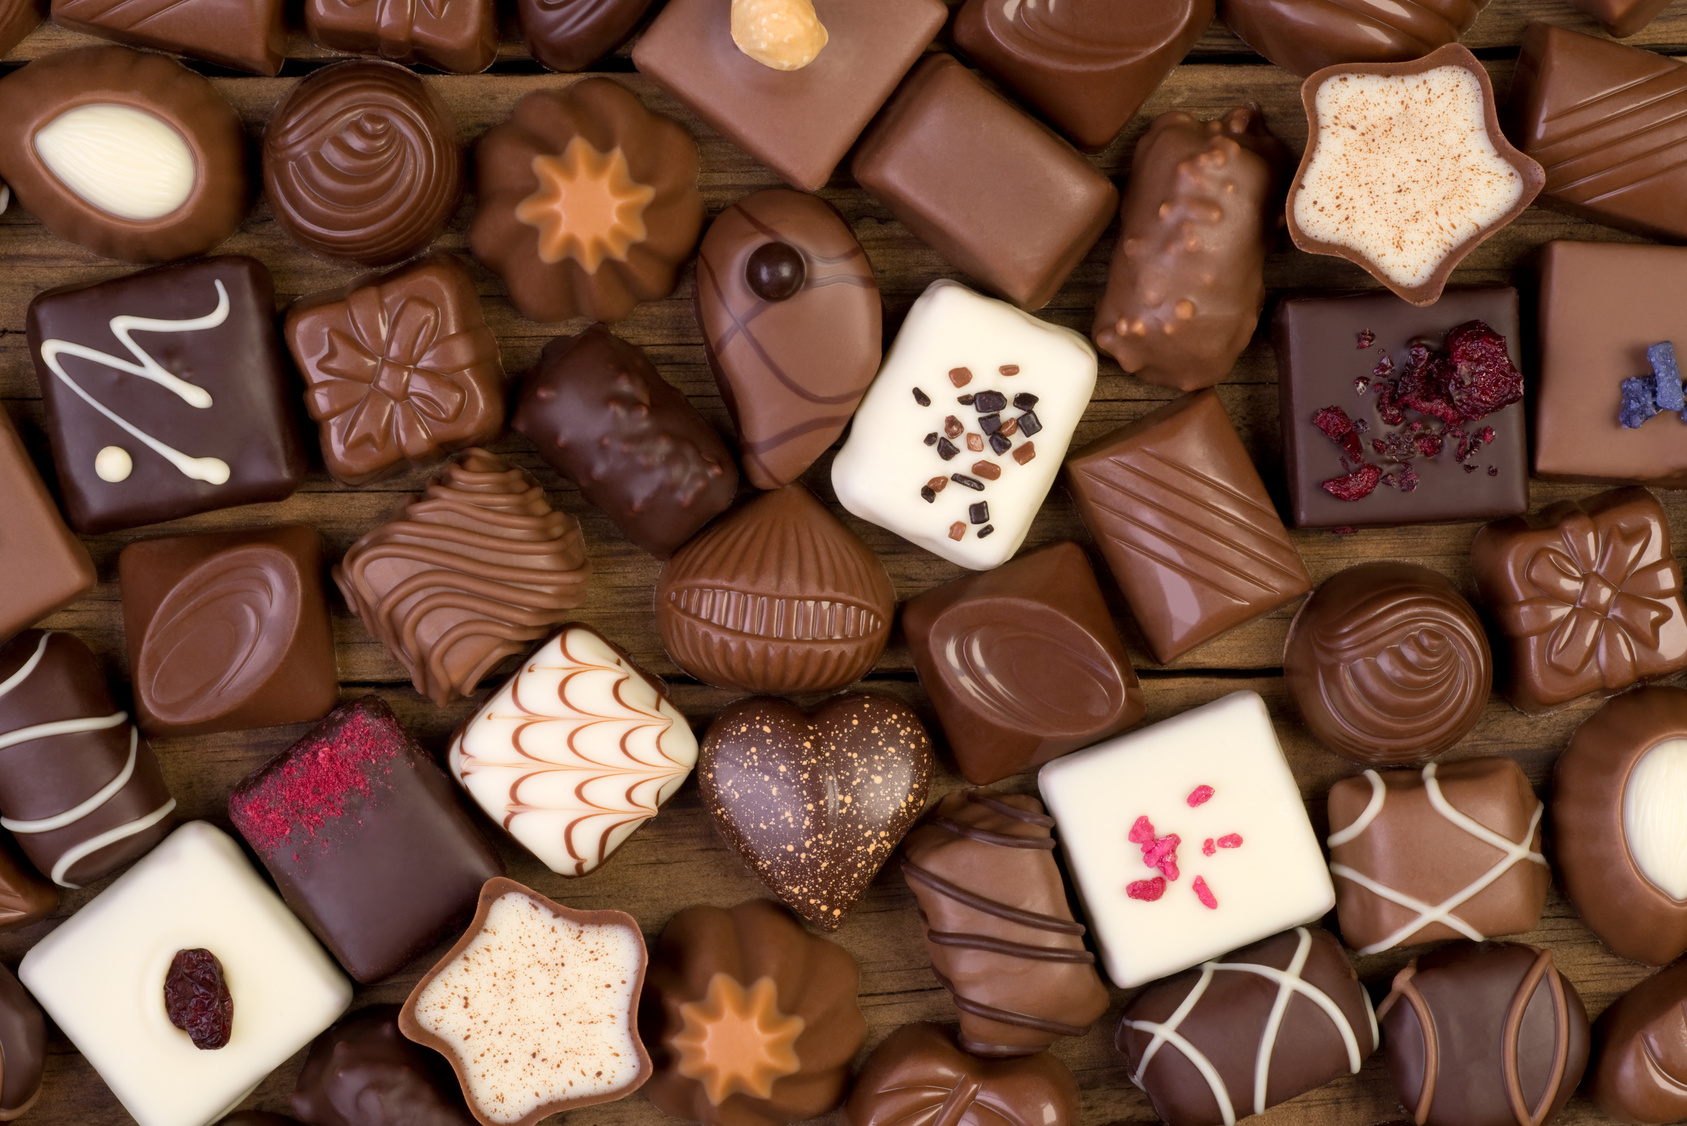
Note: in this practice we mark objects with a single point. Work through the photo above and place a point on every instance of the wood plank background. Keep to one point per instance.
(678, 860)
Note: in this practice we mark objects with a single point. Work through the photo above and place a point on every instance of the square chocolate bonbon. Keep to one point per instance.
(44, 564)
(364, 836)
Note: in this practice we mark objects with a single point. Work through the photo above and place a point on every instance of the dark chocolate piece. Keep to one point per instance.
(399, 370)
(1447, 852)
(25, 898)
(570, 35)
(1622, 18)
(1420, 422)
(197, 998)
(1022, 663)
(815, 803)
(23, 1047)
(1187, 281)
(801, 122)
(1249, 1030)
(592, 141)
(228, 631)
(1484, 1033)
(998, 927)
(994, 192)
(752, 1021)
(777, 597)
(364, 836)
(361, 161)
(1639, 1069)
(1587, 593)
(792, 327)
(1607, 123)
(1307, 35)
(600, 413)
(1184, 521)
(1388, 664)
(242, 34)
(461, 37)
(131, 155)
(44, 564)
(363, 1072)
(79, 789)
(917, 1074)
(193, 413)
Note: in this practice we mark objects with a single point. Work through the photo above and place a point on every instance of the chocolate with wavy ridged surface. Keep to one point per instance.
(918, 1077)
(777, 597)
(1388, 664)
(570, 35)
(1308, 35)
(575, 752)
(242, 34)
(361, 162)
(459, 36)
(998, 925)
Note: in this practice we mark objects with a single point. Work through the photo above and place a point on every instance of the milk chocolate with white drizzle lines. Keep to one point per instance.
(79, 788)
(166, 393)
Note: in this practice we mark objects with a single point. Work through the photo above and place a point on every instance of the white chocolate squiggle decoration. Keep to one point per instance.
(126, 162)
(212, 470)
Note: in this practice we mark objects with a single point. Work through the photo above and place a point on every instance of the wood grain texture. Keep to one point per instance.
(677, 859)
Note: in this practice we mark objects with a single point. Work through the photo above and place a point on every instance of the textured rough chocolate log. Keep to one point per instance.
(461, 37)
(999, 929)
(23, 1047)
(918, 1075)
(1639, 1068)
(242, 34)
(1187, 283)
(1308, 35)
(363, 1072)
(570, 35)
(45, 565)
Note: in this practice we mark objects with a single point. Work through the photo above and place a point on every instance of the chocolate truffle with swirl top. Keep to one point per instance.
(361, 162)
(1388, 664)
(570, 35)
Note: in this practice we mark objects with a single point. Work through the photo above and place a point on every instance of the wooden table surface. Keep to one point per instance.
(677, 859)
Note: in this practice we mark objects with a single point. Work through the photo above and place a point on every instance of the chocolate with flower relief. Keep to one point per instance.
(228, 631)
(460, 37)
(571, 35)
(364, 1072)
(243, 34)
(1587, 593)
(576, 751)
(469, 573)
(1307, 35)
(399, 369)
(917, 1074)
(1640, 1051)
(45, 565)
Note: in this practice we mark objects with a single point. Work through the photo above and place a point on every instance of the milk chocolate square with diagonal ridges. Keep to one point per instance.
(242, 34)
(44, 564)
(1184, 521)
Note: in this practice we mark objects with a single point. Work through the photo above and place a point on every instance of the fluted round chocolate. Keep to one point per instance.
(1388, 664)
(919, 1075)
(361, 162)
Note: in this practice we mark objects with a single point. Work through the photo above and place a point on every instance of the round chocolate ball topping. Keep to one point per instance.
(775, 271)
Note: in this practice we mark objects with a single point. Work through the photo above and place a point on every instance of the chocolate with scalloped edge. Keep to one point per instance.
(1307, 35)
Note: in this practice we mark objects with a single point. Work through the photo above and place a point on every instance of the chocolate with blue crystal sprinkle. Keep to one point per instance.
(980, 512)
(986, 401)
(922, 398)
(1029, 423)
(946, 449)
(1024, 401)
(969, 482)
(1639, 402)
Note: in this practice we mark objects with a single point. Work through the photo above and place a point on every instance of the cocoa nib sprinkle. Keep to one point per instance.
(993, 429)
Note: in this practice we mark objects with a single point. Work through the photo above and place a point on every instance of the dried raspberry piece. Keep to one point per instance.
(1358, 485)
(1207, 847)
(1339, 428)
(1470, 378)
(1230, 840)
(1204, 894)
(1366, 339)
(197, 1000)
(1146, 890)
(1200, 795)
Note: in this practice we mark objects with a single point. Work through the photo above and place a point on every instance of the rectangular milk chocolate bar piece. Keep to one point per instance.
(43, 564)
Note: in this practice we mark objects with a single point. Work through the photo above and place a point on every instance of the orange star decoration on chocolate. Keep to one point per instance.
(588, 206)
(737, 1040)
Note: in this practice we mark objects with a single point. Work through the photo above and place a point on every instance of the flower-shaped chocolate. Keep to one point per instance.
(588, 202)
(1589, 595)
(400, 370)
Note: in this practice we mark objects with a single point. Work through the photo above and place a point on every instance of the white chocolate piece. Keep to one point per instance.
(100, 976)
(1224, 897)
(120, 159)
(879, 472)
(574, 752)
(782, 34)
(1405, 171)
(113, 464)
(1655, 816)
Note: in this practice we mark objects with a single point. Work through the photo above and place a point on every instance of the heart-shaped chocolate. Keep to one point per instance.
(816, 803)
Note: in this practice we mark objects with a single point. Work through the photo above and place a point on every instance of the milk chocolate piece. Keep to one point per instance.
(1085, 66)
(1622, 18)
(1184, 522)
(1422, 427)
(918, 1075)
(228, 631)
(1639, 1070)
(1606, 122)
(363, 1072)
(461, 37)
(777, 597)
(364, 836)
(44, 564)
(792, 327)
(25, 898)
(470, 573)
(999, 929)
(1187, 281)
(131, 155)
(194, 413)
(570, 35)
(593, 140)
(600, 414)
(751, 1020)
(240, 34)
(17, 19)
(1388, 664)
(1307, 35)
(23, 1047)
(399, 369)
(1022, 663)
(799, 123)
(1247, 1031)
(80, 790)
(1451, 851)
(1406, 170)
(1588, 595)
(995, 193)
(815, 803)
(1484, 1033)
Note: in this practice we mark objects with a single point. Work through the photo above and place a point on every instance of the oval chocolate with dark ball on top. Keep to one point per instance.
(775, 271)
(131, 155)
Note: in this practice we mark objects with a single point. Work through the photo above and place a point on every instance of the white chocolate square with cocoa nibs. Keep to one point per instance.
(1186, 839)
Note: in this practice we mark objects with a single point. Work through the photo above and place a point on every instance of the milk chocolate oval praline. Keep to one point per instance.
(142, 159)
(1639, 1068)
(1388, 664)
